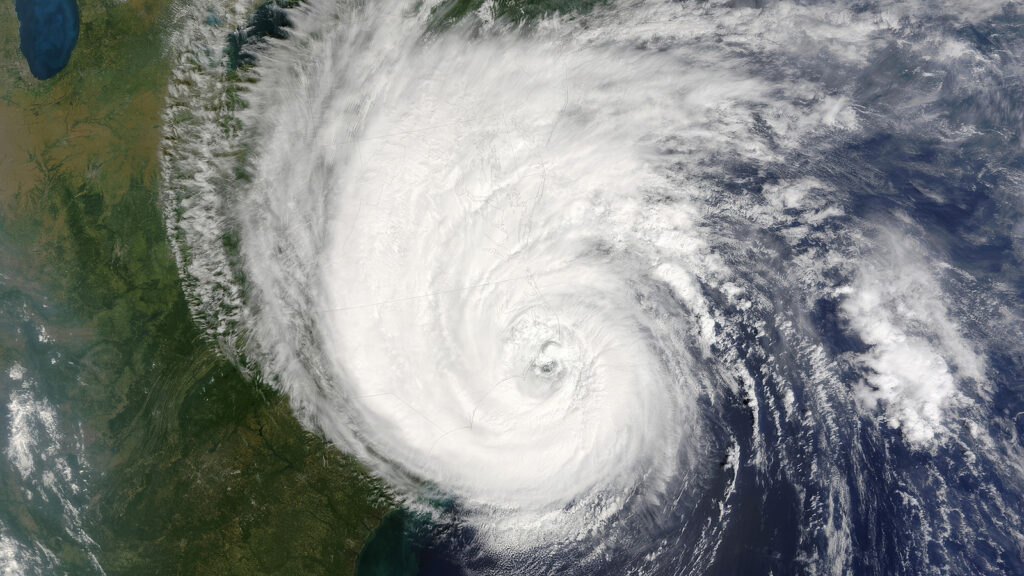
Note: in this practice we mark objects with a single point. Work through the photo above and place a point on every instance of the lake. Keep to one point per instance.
(49, 31)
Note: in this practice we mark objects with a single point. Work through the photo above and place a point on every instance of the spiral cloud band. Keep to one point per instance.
(575, 280)
(482, 286)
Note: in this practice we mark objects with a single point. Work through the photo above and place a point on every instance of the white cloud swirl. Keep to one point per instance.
(482, 281)
(528, 271)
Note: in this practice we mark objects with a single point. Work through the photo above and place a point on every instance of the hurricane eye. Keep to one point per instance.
(549, 361)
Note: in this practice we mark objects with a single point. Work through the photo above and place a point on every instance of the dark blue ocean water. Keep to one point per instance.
(49, 31)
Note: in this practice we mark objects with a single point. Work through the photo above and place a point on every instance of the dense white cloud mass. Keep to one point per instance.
(574, 281)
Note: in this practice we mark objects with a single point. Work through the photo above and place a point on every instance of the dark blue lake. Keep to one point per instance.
(49, 31)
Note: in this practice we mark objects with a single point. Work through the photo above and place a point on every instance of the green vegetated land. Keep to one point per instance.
(196, 470)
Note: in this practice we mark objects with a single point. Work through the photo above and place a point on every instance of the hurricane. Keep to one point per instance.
(646, 287)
